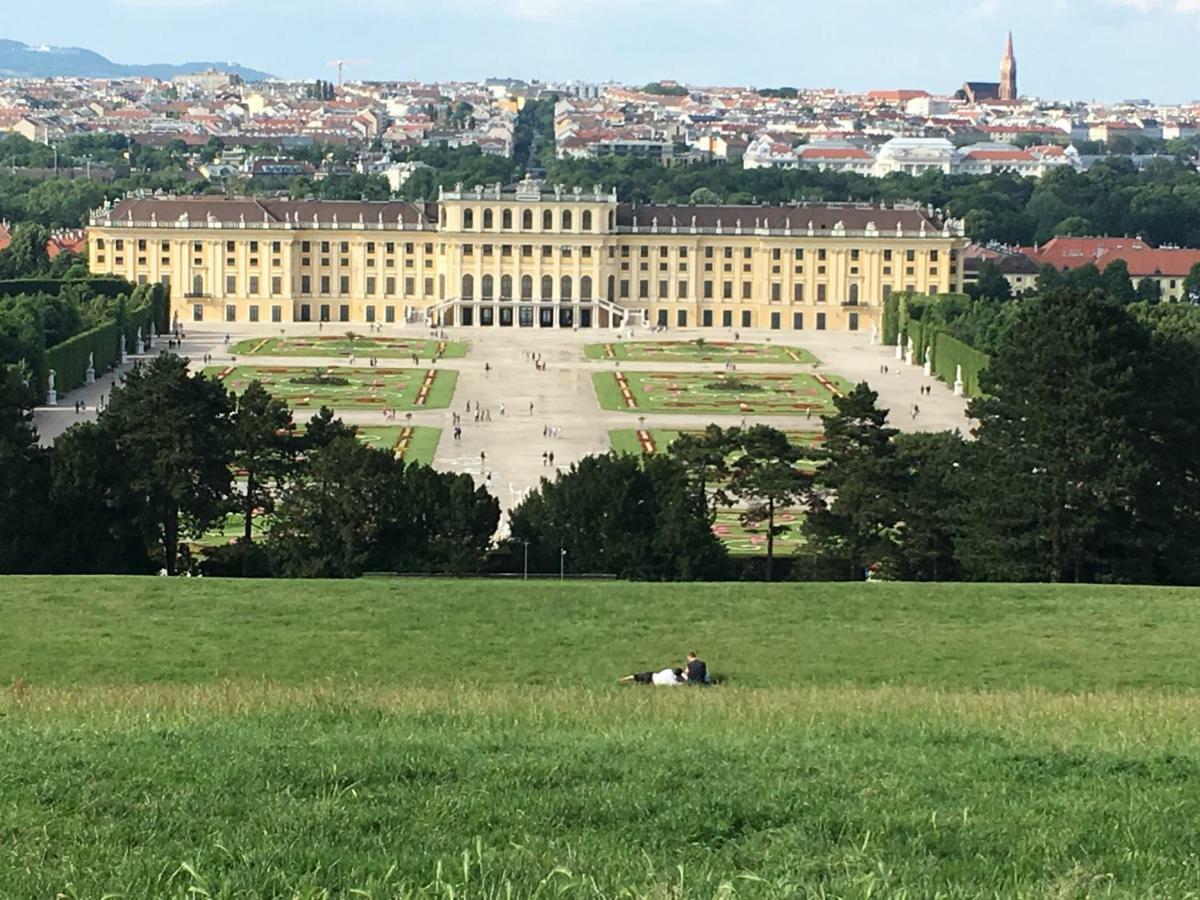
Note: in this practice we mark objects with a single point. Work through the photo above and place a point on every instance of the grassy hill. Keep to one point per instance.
(467, 739)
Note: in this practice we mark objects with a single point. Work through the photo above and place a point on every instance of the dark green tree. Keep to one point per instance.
(854, 504)
(1117, 282)
(24, 478)
(1082, 466)
(1149, 291)
(1191, 285)
(764, 471)
(174, 431)
(622, 515)
(991, 284)
(265, 449)
(933, 494)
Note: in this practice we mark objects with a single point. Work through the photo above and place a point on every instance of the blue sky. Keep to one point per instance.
(1083, 49)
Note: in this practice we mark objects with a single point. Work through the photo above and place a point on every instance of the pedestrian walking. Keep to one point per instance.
(551, 457)
(501, 409)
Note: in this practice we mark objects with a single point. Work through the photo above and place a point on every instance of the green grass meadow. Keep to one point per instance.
(419, 738)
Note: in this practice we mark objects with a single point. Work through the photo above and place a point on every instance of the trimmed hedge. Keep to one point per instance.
(101, 287)
(891, 320)
(949, 353)
(69, 360)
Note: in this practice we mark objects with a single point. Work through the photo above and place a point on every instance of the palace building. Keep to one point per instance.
(528, 256)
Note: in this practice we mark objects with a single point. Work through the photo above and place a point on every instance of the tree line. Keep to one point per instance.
(1081, 465)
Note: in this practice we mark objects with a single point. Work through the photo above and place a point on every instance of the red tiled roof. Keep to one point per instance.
(1142, 259)
(834, 153)
(1000, 155)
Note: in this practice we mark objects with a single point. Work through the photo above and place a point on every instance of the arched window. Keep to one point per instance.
(468, 219)
(612, 287)
(468, 287)
(547, 221)
(506, 220)
(854, 294)
(587, 220)
(505, 287)
(443, 217)
(485, 289)
(526, 287)
(612, 220)
(547, 287)
(566, 288)
(527, 220)
(198, 285)
(487, 220)
(566, 220)
(585, 287)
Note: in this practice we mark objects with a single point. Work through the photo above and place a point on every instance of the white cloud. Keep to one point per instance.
(1177, 7)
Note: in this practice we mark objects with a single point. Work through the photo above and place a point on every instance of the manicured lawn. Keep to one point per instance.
(742, 539)
(337, 345)
(367, 387)
(693, 392)
(699, 352)
(417, 738)
(415, 444)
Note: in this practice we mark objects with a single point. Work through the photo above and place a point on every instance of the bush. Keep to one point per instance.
(320, 380)
(69, 360)
(734, 384)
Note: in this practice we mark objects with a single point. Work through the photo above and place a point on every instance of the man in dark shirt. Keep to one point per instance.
(697, 671)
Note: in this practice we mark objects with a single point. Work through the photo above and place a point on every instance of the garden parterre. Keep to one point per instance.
(340, 345)
(785, 394)
(699, 351)
(364, 387)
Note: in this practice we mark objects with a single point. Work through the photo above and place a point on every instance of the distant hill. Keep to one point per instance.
(19, 60)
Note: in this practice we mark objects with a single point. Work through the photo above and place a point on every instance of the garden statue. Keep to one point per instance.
(51, 393)
(90, 376)
(958, 382)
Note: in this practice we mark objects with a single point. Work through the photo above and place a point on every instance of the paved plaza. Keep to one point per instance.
(526, 411)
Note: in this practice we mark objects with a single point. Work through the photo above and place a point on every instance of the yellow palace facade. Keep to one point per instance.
(527, 256)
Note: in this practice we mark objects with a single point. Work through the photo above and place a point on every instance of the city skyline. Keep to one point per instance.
(629, 41)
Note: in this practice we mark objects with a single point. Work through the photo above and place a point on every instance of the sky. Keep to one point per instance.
(1077, 49)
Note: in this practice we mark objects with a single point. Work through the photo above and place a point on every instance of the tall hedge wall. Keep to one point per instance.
(69, 360)
(102, 287)
(949, 353)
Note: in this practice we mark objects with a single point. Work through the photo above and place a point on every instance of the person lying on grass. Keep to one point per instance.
(664, 678)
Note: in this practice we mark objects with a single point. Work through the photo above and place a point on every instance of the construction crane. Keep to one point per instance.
(338, 63)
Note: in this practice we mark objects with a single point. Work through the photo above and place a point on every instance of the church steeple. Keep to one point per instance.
(1008, 72)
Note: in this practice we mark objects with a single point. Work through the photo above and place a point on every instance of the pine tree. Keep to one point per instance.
(854, 507)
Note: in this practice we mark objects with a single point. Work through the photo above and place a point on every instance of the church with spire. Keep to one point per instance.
(1005, 89)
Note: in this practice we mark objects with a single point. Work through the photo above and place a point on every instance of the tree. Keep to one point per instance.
(353, 509)
(323, 429)
(933, 495)
(1118, 283)
(264, 449)
(1150, 291)
(705, 458)
(633, 517)
(854, 502)
(1082, 468)
(174, 432)
(1191, 285)
(24, 477)
(991, 283)
(764, 470)
(26, 255)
